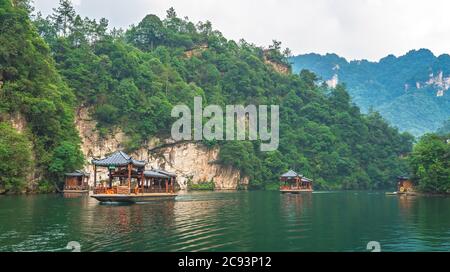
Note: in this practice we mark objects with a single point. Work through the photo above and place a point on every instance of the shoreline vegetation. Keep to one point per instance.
(201, 186)
(131, 79)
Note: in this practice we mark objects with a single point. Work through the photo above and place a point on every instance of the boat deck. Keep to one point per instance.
(133, 198)
(75, 191)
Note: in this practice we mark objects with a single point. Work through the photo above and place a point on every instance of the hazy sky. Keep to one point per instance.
(355, 29)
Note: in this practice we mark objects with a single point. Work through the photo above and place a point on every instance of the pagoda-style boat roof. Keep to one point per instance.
(290, 174)
(164, 172)
(118, 158)
(159, 173)
(77, 173)
(403, 178)
(154, 174)
(304, 179)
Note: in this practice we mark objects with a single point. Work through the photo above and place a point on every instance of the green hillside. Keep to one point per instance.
(410, 91)
(131, 79)
(31, 86)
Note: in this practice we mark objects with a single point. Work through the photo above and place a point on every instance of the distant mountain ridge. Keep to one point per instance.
(410, 91)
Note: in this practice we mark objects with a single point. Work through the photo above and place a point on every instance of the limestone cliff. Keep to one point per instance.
(277, 66)
(189, 160)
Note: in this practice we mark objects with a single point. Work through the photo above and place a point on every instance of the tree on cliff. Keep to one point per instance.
(63, 17)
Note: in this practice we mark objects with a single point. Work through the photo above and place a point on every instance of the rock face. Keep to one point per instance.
(18, 122)
(189, 160)
(196, 162)
(279, 67)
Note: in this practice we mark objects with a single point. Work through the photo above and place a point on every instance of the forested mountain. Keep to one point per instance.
(31, 86)
(131, 79)
(410, 91)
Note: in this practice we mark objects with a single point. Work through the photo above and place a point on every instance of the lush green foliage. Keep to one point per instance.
(125, 86)
(430, 162)
(15, 158)
(201, 186)
(132, 79)
(404, 89)
(32, 87)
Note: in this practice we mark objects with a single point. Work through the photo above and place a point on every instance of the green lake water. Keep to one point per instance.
(228, 221)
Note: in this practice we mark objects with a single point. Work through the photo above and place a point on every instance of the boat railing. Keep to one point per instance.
(155, 190)
(105, 190)
(294, 187)
(76, 187)
(126, 190)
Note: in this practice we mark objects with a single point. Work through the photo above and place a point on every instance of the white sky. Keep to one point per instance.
(355, 29)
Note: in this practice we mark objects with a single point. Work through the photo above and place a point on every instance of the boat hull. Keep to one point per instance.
(76, 191)
(133, 198)
(295, 191)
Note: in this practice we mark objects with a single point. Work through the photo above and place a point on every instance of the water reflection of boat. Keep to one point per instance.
(73, 195)
(296, 204)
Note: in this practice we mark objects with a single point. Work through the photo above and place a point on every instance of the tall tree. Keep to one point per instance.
(148, 34)
(63, 16)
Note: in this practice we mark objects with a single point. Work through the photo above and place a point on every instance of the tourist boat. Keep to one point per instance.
(295, 183)
(130, 182)
(76, 182)
(404, 187)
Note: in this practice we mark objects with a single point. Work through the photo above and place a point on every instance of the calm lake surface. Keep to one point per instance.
(228, 221)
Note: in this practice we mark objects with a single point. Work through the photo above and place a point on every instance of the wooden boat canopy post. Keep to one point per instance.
(291, 182)
(159, 181)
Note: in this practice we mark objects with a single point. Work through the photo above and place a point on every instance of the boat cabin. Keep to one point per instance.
(404, 184)
(291, 182)
(160, 181)
(76, 182)
(128, 181)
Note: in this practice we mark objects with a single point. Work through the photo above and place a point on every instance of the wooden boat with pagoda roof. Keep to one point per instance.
(130, 182)
(291, 182)
(76, 182)
(405, 186)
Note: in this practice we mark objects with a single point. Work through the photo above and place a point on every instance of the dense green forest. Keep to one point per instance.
(12, 176)
(131, 79)
(430, 163)
(31, 85)
(410, 91)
